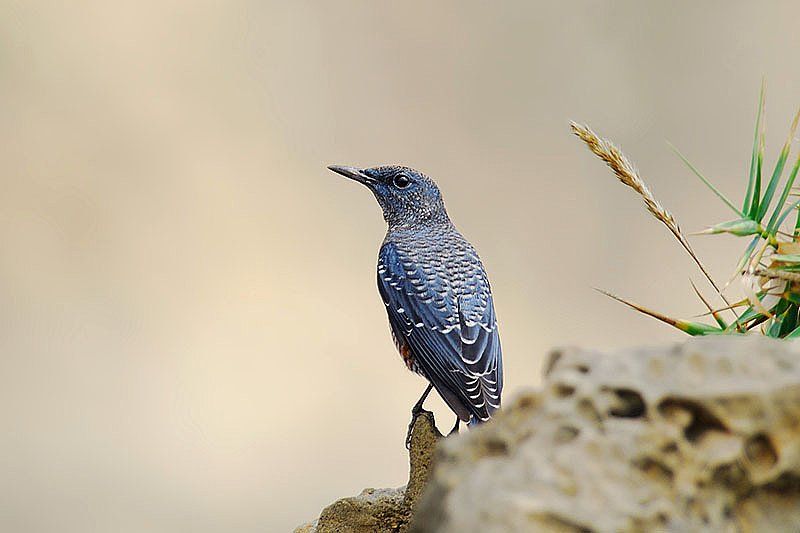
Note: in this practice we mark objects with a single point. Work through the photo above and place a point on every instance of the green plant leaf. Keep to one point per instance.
(751, 314)
(797, 225)
(776, 173)
(781, 313)
(774, 222)
(748, 254)
(793, 334)
(786, 258)
(785, 214)
(708, 183)
(742, 228)
(694, 329)
(749, 196)
(789, 322)
(774, 329)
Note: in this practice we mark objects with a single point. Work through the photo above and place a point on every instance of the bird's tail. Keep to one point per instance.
(474, 421)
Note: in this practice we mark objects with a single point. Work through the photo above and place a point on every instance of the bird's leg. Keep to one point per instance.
(455, 428)
(416, 410)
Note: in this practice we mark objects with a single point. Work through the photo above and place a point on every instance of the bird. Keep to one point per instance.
(437, 295)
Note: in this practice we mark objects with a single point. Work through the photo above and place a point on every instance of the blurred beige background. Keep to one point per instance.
(190, 335)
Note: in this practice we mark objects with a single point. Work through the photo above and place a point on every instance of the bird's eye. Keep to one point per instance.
(401, 181)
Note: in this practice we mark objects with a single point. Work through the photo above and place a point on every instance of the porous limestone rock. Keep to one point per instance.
(700, 436)
(384, 510)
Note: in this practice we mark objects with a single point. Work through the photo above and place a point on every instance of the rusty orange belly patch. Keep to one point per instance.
(408, 359)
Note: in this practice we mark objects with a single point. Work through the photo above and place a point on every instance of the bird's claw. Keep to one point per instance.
(415, 413)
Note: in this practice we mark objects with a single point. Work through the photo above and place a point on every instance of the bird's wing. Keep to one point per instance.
(454, 341)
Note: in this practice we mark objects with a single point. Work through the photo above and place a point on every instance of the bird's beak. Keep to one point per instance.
(352, 173)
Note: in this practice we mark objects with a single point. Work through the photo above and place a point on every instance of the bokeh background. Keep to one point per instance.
(190, 334)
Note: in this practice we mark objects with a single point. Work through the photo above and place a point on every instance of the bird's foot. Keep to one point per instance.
(415, 413)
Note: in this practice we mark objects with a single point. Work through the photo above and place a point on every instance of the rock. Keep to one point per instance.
(700, 436)
(384, 510)
(372, 510)
(310, 527)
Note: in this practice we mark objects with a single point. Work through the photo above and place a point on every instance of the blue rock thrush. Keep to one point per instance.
(436, 293)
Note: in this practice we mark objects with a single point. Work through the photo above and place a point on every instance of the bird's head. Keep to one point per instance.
(408, 197)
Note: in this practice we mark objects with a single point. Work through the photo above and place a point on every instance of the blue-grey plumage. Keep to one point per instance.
(437, 295)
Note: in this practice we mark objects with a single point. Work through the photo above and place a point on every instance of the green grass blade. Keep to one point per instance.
(780, 312)
(751, 313)
(774, 328)
(757, 322)
(708, 183)
(797, 225)
(741, 228)
(787, 188)
(748, 254)
(776, 173)
(694, 329)
(747, 325)
(697, 329)
(794, 333)
(785, 214)
(791, 297)
(786, 258)
(789, 321)
(780, 308)
(754, 206)
(747, 208)
(757, 191)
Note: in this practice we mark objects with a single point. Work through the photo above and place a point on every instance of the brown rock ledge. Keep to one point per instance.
(384, 510)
